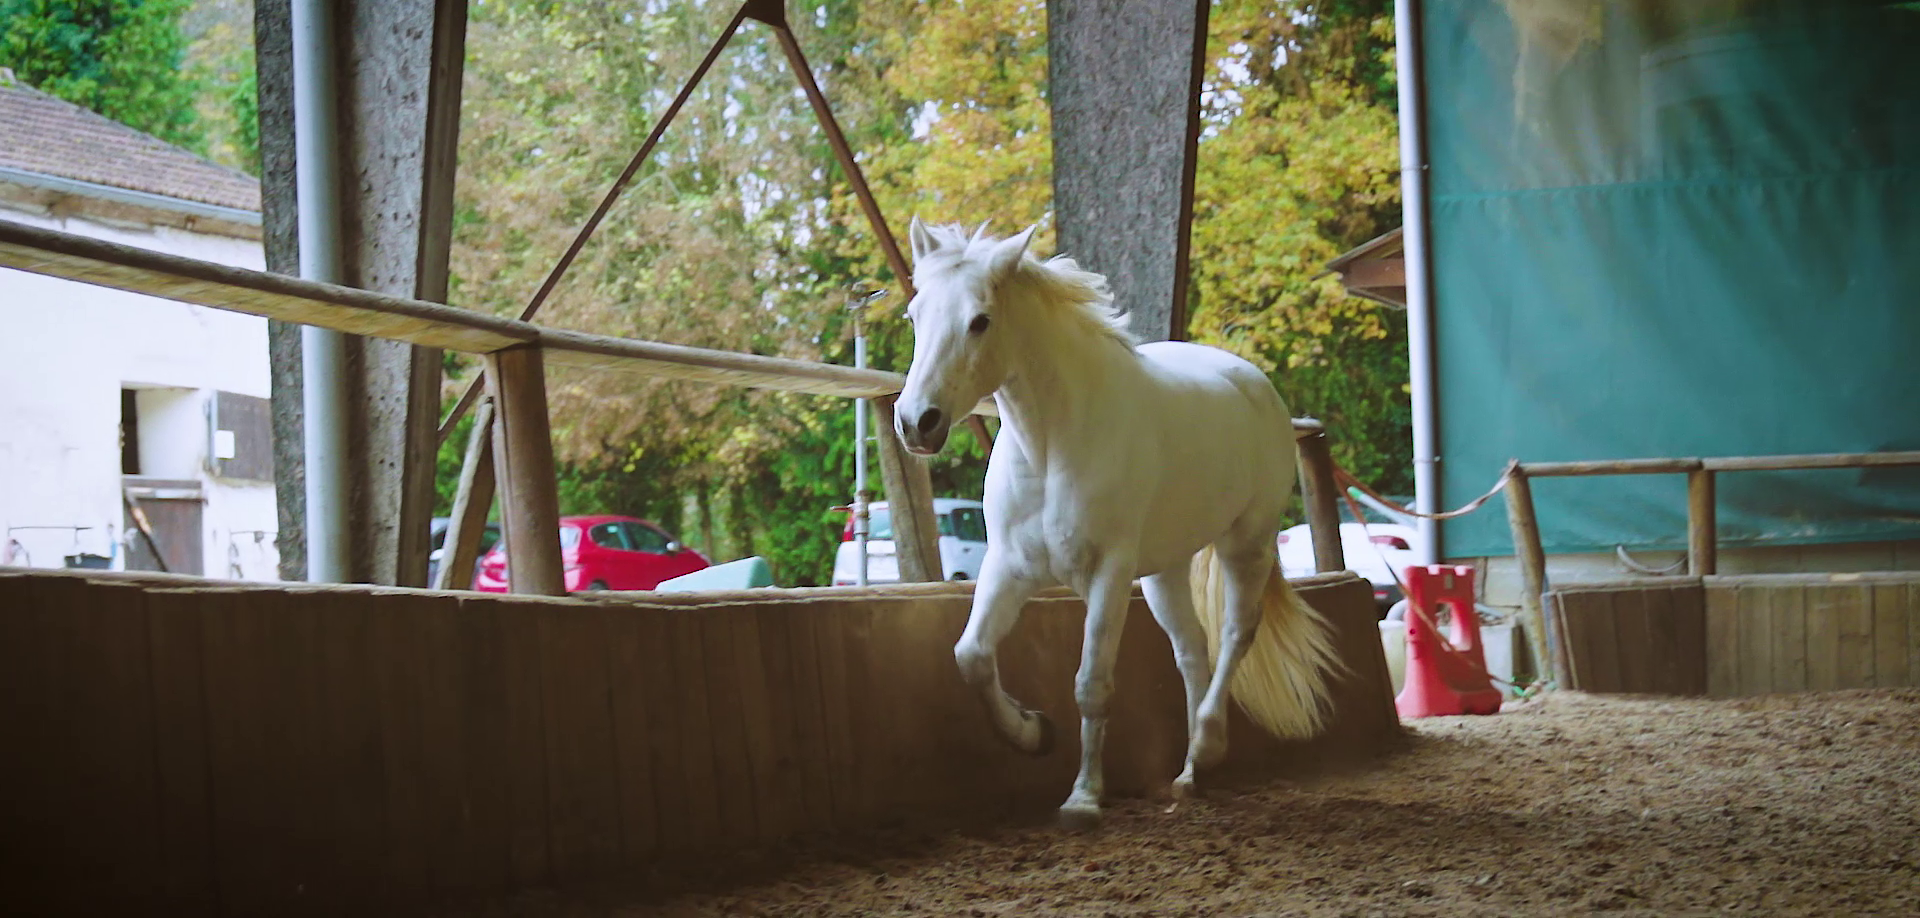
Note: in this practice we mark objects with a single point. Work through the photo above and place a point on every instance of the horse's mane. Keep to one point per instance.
(1059, 283)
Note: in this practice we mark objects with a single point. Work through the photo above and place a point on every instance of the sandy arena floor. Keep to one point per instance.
(1572, 805)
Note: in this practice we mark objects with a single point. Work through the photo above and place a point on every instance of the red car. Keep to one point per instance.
(604, 553)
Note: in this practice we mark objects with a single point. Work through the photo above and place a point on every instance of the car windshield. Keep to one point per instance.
(969, 524)
(964, 523)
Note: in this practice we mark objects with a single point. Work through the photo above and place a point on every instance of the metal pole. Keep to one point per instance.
(860, 494)
(323, 351)
(1413, 235)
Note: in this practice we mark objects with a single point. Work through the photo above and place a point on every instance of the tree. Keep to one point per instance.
(742, 234)
(120, 58)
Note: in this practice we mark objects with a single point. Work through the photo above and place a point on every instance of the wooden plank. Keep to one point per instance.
(1635, 655)
(108, 825)
(346, 810)
(1757, 675)
(635, 645)
(1594, 636)
(523, 453)
(174, 634)
(29, 716)
(1913, 634)
(726, 710)
(1892, 619)
(1723, 641)
(1690, 639)
(1814, 461)
(1825, 608)
(661, 678)
(830, 624)
(1662, 635)
(253, 744)
(260, 293)
(1854, 660)
(493, 739)
(1787, 621)
(783, 790)
(459, 856)
(530, 856)
(756, 712)
(697, 779)
(673, 361)
(394, 664)
(1610, 467)
(812, 745)
(582, 770)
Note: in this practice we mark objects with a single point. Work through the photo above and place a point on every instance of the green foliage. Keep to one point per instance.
(120, 58)
(741, 234)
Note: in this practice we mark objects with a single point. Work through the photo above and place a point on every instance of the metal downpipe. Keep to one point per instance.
(323, 352)
(1419, 269)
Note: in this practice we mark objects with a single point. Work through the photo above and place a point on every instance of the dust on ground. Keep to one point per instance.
(1572, 804)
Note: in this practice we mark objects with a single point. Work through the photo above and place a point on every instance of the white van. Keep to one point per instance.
(963, 542)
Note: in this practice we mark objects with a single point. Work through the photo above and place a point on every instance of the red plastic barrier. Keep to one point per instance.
(1446, 674)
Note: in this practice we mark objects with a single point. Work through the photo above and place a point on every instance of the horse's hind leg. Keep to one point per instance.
(1107, 597)
(996, 608)
(1170, 596)
(1245, 570)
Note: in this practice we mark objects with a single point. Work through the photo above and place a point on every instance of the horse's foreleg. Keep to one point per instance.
(1170, 596)
(996, 608)
(1106, 612)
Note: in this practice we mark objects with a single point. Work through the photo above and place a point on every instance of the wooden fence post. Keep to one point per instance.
(1323, 502)
(523, 447)
(1533, 568)
(1702, 529)
(460, 548)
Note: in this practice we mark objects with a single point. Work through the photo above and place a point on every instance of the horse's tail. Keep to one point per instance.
(1282, 682)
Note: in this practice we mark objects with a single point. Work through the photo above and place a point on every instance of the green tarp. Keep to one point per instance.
(1676, 229)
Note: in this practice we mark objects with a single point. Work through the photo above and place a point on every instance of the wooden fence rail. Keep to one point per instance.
(1730, 636)
(362, 312)
(176, 745)
(1702, 524)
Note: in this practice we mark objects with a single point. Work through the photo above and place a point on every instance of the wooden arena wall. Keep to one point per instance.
(1741, 635)
(179, 745)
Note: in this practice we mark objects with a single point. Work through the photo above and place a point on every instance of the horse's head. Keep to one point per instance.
(958, 356)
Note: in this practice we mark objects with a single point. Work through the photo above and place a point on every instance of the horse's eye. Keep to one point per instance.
(979, 324)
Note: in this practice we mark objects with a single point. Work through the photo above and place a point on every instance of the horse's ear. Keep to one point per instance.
(918, 236)
(979, 232)
(1008, 252)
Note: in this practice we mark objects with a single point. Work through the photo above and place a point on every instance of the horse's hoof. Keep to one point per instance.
(1044, 745)
(1080, 817)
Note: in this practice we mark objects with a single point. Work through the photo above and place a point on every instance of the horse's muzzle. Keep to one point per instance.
(924, 434)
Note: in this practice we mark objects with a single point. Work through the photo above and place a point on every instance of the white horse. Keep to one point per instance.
(1169, 461)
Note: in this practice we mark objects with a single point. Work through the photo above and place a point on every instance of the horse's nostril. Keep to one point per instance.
(929, 421)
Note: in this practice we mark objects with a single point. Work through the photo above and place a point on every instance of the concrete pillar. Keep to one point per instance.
(400, 79)
(1125, 78)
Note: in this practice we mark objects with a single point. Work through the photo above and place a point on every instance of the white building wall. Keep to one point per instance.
(67, 349)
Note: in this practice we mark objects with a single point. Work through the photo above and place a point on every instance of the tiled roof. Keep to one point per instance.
(49, 136)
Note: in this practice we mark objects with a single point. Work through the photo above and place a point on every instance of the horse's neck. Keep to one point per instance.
(1063, 380)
